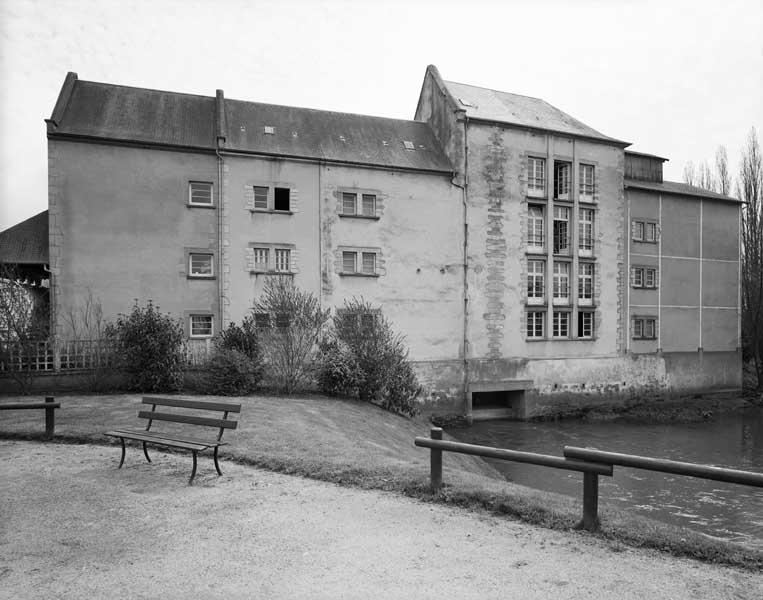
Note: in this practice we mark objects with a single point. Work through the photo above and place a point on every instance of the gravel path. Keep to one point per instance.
(73, 526)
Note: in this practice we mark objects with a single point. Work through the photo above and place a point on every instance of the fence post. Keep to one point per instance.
(50, 418)
(590, 502)
(435, 460)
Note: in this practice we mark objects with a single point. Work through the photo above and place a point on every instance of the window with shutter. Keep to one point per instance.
(349, 260)
(260, 197)
(369, 263)
(348, 203)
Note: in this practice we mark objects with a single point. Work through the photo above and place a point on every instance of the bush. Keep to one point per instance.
(149, 347)
(243, 338)
(228, 372)
(296, 321)
(364, 358)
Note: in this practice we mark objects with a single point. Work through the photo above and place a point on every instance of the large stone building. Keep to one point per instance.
(534, 265)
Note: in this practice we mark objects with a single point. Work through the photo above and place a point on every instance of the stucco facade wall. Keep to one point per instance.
(121, 226)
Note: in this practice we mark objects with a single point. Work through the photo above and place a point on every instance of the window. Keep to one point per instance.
(585, 283)
(408, 145)
(260, 197)
(261, 259)
(281, 199)
(200, 265)
(643, 277)
(562, 180)
(645, 231)
(534, 228)
(201, 326)
(348, 203)
(586, 182)
(369, 205)
(535, 320)
(200, 193)
(261, 320)
(561, 230)
(282, 320)
(535, 281)
(283, 261)
(561, 325)
(561, 283)
(349, 262)
(585, 231)
(585, 324)
(536, 176)
(644, 328)
(369, 263)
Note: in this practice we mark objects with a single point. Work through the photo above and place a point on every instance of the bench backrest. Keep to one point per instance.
(175, 417)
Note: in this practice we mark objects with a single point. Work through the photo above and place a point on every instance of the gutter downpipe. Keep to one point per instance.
(221, 294)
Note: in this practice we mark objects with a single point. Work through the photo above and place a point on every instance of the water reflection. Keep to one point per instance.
(724, 510)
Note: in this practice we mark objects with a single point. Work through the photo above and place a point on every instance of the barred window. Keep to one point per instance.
(201, 326)
(200, 193)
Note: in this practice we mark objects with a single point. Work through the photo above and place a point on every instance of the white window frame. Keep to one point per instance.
(191, 273)
(586, 275)
(561, 319)
(281, 266)
(651, 233)
(536, 282)
(191, 185)
(650, 277)
(637, 230)
(536, 228)
(562, 180)
(536, 325)
(562, 215)
(261, 266)
(582, 326)
(561, 289)
(644, 328)
(205, 316)
(587, 182)
(586, 231)
(536, 176)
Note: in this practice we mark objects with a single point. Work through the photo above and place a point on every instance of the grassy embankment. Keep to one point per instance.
(356, 444)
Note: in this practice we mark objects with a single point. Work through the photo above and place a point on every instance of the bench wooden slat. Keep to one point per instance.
(25, 405)
(177, 418)
(200, 404)
(147, 437)
(177, 437)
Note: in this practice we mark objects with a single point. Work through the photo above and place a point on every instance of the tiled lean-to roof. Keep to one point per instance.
(26, 243)
(116, 113)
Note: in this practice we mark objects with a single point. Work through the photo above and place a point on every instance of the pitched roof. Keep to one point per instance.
(673, 187)
(26, 243)
(117, 113)
(524, 111)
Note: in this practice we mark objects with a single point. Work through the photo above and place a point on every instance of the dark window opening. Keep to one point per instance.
(281, 199)
(510, 400)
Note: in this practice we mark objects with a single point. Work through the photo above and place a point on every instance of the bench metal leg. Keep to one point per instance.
(217, 465)
(193, 471)
(121, 462)
(145, 451)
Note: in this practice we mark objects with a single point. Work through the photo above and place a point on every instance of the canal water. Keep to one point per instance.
(722, 510)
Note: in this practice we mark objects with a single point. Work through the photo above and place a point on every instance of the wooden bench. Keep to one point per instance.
(49, 405)
(180, 439)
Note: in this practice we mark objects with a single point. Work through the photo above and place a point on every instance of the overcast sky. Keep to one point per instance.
(674, 78)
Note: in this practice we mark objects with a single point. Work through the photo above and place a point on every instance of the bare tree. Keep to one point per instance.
(85, 340)
(690, 174)
(723, 178)
(23, 326)
(749, 190)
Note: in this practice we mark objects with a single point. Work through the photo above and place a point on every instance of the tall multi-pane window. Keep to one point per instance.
(535, 324)
(585, 324)
(585, 231)
(561, 283)
(585, 283)
(586, 182)
(561, 324)
(536, 176)
(535, 228)
(349, 203)
(562, 180)
(283, 261)
(561, 230)
(261, 259)
(535, 281)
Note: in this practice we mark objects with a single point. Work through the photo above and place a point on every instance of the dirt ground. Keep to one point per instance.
(73, 526)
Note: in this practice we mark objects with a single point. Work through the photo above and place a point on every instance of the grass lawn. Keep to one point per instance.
(357, 444)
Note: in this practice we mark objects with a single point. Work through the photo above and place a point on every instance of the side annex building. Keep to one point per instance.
(535, 265)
